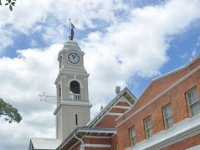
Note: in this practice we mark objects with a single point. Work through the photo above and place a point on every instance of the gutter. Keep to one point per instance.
(82, 143)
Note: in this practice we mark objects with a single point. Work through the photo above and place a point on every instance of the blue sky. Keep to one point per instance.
(126, 43)
(182, 49)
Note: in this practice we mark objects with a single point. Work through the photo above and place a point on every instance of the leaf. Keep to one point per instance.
(10, 7)
(9, 1)
(13, 3)
(11, 113)
(6, 4)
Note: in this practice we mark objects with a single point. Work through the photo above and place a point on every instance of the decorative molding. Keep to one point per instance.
(114, 114)
(72, 103)
(121, 107)
(95, 137)
(97, 145)
(99, 131)
(125, 101)
(75, 103)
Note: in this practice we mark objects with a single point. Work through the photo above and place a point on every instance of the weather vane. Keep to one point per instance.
(71, 28)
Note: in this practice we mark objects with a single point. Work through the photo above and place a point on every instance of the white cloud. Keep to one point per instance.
(137, 46)
(51, 17)
(24, 78)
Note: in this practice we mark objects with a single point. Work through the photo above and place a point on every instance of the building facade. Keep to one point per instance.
(166, 116)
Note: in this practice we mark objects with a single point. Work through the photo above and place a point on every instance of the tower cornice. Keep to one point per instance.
(85, 75)
(71, 103)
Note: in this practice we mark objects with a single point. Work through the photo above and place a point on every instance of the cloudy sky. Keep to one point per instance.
(127, 43)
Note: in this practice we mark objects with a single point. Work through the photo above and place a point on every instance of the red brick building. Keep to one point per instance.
(167, 115)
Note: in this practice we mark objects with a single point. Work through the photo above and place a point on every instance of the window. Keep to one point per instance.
(75, 90)
(59, 90)
(193, 101)
(75, 87)
(168, 116)
(76, 119)
(132, 135)
(148, 127)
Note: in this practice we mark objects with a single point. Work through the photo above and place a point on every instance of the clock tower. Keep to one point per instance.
(73, 106)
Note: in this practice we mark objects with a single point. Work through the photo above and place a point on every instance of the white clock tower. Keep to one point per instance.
(73, 106)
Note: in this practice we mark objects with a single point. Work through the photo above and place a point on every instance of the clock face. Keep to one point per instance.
(73, 58)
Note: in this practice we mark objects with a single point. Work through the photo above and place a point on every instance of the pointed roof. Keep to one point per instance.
(125, 92)
(44, 143)
(172, 76)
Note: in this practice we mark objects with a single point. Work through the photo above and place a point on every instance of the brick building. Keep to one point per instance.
(166, 116)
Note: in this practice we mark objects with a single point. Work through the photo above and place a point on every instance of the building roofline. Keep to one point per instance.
(177, 69)
(157, 97)
(169, 73)
(44, 143)
(85, 129)
(101, 114)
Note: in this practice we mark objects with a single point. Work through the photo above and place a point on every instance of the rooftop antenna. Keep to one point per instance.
(44, 97)
(71, 30)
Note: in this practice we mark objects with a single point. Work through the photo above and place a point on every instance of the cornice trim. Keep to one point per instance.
(72, 103)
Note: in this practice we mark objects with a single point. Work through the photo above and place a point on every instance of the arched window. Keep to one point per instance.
(75, 87)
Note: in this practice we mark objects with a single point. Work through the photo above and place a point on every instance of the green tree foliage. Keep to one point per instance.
(9, 3)
(9, 112)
